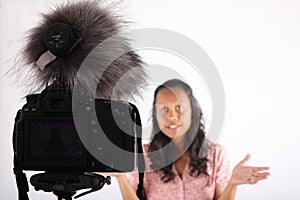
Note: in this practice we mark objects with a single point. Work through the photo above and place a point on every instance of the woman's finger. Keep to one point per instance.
(245, 160)
(261, 168)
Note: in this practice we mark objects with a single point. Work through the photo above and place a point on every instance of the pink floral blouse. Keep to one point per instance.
(187, 187)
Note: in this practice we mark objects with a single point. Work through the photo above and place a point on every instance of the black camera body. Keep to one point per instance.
(46, 138)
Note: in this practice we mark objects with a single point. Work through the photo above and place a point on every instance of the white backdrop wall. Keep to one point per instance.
(255, 47)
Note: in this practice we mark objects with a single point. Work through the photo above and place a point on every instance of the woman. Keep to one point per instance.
(180, 162)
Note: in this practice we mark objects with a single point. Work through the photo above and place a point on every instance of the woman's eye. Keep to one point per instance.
(162, 109)
(179, 108)
(165, 110)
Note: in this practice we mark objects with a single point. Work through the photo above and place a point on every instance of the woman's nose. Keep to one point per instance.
(173, 115)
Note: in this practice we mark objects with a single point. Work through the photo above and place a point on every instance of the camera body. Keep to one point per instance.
(46, 138)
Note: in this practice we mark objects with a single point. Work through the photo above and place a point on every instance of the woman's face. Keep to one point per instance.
(173, 111)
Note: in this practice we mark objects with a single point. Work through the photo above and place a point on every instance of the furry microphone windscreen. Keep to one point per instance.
(95, 24)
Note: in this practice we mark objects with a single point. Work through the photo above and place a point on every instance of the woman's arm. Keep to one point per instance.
(225, 193)
(128, 192)
(241, 174)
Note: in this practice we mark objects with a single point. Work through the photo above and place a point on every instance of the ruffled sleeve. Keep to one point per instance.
(222, 166)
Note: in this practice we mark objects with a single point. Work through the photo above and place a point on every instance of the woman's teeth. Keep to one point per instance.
(173, 126)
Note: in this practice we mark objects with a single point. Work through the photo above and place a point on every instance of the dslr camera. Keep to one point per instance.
(70, 135)
(46, 138)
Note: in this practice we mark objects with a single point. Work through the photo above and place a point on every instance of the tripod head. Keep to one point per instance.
(65, 185)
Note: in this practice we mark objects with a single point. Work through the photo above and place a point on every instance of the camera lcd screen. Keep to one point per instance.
(55, 140)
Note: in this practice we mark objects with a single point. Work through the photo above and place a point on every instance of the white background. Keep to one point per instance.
(255, 46)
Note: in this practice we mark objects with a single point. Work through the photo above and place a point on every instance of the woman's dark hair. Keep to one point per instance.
(194, 138)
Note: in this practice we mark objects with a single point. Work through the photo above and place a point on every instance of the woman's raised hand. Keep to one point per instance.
(243, 174)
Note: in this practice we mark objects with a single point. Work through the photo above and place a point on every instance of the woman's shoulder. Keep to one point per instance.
(219, 147)
(213, 146)
(215, 150)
